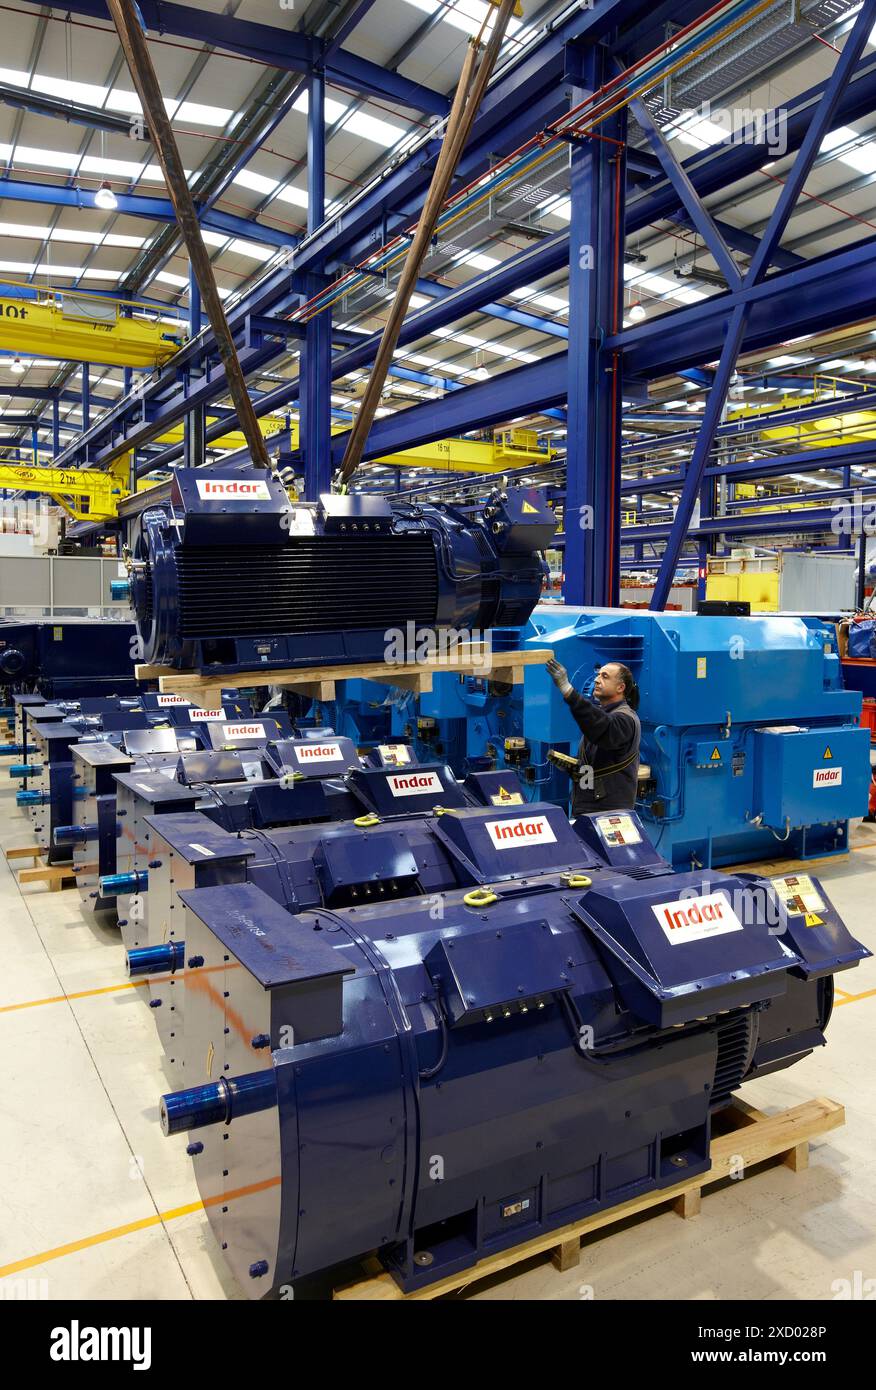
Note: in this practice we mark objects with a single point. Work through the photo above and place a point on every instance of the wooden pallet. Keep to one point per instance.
(751, 1137)
(23, 852)
(57, 876)
(318, 682)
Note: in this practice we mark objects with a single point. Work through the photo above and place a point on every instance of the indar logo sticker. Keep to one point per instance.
(694, 919)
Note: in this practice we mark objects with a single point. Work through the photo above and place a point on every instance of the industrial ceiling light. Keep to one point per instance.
(637, 312)
(17, 366)
(105, 198)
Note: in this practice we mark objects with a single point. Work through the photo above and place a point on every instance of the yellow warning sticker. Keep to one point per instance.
(702, 668)
(813, 920)
(528, 507)
(503, 798)
(716, 755)
(827, 754)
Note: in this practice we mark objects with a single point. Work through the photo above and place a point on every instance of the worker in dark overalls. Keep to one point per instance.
(608, 754)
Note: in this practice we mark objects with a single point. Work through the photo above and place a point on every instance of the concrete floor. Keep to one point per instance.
(96, 1204)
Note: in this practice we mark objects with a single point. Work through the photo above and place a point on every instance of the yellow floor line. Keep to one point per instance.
(78, 994)
(116, 1232)
(107, 989)
(853, 998)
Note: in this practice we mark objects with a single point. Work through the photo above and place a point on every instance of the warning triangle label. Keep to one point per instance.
(827, 753)
(813, 920)
(716, 755)
(528, 507)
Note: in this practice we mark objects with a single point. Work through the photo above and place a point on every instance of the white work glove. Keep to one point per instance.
(559, 675)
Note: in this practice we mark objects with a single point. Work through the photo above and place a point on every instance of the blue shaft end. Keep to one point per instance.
(219, 1103)
(156, 960)
(113, 885)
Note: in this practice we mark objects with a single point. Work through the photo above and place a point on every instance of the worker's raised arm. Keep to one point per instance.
(605, 728)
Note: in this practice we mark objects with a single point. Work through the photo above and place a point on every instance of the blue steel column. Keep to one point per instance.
(596, 247)
(195, 423)
(56, 426)
(314, 436)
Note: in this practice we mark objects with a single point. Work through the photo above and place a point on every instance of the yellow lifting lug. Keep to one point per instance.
(576, 880)
(366, 822)
(480, 897)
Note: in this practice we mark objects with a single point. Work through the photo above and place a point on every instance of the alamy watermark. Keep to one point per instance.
(737, 125)
(421, 646)
(854, 516)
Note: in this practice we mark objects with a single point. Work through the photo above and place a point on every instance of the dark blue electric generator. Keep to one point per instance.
(232, 575)
(439, 1077)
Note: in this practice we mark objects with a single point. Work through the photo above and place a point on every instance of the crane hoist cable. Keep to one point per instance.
(466, 102)
(136, 51)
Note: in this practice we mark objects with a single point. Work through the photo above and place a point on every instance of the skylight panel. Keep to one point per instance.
(120, 100)
(291, 194)
(862, 158)
(843, 135)
(200, 114)
(357, 123)
(552, 302)
(477, 259)
(334, 110)
(694, 129)
(373, 128)
(155, 173)
(214, 238)
(258, 183)
(111, 168)
(241, 247)
(23, 229)
(558, 207)
(195, 112)
(123, 239)
(467, 15)
(86, 93)
(658, 283)
(46, 159)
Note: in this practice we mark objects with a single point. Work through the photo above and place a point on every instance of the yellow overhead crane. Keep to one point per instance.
(89, 494)
(855, 427)
(75, 326)
(85, 494)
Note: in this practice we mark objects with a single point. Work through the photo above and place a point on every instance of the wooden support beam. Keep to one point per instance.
(319, 682)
